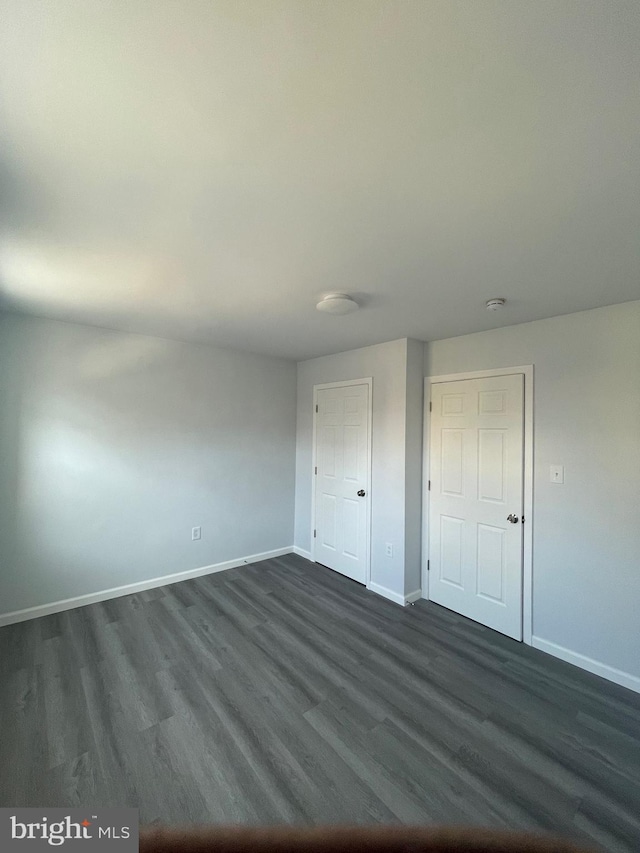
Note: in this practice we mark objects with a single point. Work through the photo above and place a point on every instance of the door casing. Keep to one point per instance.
(527, 545)
(366, 381)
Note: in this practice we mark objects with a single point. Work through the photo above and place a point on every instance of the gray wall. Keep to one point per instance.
(113, 446)
(387, 364)
(586, 587)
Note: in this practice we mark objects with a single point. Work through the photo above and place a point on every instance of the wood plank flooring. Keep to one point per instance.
(284, 693)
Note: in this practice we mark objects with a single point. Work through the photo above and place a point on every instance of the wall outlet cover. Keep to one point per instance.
(556, 473)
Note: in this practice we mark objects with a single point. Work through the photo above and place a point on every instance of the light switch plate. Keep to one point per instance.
(556, 473)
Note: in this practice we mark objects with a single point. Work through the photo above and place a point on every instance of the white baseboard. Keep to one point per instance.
(140, 586)
(302, 553)
(618, 676)
(402, 600)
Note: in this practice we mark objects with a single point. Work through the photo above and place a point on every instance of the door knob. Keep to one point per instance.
(361, 493)
(512, 518)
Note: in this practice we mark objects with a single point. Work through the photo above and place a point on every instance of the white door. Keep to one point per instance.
(476, 500)
(342, 479)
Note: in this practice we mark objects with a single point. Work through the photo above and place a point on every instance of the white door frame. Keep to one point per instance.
(527, 544)
(366, 381)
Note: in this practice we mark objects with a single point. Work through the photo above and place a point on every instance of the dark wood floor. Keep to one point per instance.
(283, 692)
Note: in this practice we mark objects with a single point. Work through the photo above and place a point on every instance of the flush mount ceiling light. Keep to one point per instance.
(337, 303)
(494, 304)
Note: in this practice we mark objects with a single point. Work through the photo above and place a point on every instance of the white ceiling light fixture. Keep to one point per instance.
(337, 303)
(494, 304)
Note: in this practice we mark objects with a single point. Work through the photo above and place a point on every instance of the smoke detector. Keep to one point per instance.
(337, 303)
(494, 304)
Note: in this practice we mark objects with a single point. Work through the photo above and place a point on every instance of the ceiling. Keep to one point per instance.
(207, 169)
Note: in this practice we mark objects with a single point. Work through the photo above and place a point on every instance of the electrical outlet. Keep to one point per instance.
(196, 533)
(389, 549)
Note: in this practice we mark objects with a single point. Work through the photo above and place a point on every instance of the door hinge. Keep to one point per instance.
(429, 486)
(314, 534)
(523, 519)
(430, 406)
(316, 408)
(428, 565)
(316, 471)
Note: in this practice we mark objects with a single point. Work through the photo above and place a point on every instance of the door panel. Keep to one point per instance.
(452, 462)
(491, 562)
(491, 465)
(476, 476)
(342, 453)
(328, 521)
(328, 451)
(451, 531)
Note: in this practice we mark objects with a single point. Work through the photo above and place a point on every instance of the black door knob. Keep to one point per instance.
(361, 493)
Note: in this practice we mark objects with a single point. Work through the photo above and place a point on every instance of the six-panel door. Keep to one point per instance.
(476, 471)
(342, 435)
